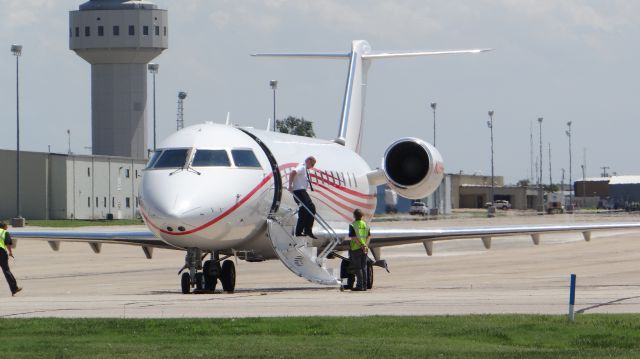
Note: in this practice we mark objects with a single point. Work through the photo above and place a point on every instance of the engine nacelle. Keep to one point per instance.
(413, 167)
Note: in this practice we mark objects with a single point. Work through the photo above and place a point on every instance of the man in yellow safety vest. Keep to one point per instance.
(5, 247)
(359, 234)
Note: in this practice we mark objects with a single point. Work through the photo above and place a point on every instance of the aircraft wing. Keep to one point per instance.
(95, 238)
(384, 236)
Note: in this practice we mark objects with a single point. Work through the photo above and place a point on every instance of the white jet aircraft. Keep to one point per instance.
(220, 191)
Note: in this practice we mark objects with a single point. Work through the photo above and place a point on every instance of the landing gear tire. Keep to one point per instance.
(369, 275)
(185, 283)
(344, 273)
(210, 276)
(199, 281)
(228, 277)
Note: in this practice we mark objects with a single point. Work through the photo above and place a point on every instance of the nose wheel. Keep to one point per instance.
(203, 277)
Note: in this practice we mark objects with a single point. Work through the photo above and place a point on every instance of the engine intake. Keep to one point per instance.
(413, 168)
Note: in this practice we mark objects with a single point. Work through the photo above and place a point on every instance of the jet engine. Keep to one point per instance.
(413, 168)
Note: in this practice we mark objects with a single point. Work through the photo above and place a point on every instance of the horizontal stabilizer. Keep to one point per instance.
(391, 54)
(341, 55)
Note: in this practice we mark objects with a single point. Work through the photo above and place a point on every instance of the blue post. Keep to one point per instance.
(572, 297)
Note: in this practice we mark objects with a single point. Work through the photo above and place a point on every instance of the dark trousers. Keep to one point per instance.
(359, 264)
(305, 219)
(4, 264)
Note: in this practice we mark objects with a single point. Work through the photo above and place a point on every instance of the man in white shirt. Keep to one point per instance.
(298, 182)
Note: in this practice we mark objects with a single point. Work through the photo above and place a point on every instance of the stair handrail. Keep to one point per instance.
(335, 240)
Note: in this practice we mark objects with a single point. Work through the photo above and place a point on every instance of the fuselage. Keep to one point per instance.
(212, 186)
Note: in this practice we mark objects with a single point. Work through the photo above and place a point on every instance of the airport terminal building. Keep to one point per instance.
(61, 186)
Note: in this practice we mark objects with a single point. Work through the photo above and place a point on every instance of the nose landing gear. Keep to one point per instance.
(203, 277)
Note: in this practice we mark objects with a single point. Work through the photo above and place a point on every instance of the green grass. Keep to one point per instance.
(80, 222)
(481, 336)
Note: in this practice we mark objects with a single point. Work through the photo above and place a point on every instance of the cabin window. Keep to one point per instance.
(153, 159)
(172, 159)
(211, 158)
(245, 158)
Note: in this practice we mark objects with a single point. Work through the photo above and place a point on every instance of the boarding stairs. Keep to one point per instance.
(300, 254)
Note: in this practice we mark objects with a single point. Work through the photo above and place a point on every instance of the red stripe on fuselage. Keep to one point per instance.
(349, 200)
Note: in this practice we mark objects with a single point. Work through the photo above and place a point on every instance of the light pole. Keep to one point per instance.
(69, 142)
(153, 69)
(540, 192)
(568, 132)
(433, 107)
(274, 87)
(436, 198)
(17, 52)
(492, 209)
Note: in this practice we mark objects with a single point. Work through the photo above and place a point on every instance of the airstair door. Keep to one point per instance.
(298, 254)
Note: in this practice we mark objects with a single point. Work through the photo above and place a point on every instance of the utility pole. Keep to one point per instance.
(604, 171)
(492, 209)
(531, 150)
(436, 196)
(571, 190)
(550, 172)
(540, 191)
(274, 87)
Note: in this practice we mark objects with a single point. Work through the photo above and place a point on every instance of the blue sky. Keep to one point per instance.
(572, 60)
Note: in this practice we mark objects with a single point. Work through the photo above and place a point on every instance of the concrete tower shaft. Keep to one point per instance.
(118, 38)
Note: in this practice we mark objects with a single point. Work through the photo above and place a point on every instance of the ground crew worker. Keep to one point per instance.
(359, 234)
(298, 182)
(5, 246)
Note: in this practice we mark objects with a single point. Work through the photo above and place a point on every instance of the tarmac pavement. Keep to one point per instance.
(460, 278)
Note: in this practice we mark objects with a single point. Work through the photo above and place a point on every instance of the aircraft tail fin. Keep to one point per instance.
(352, 116)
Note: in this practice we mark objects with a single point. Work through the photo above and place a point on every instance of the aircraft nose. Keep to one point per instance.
(168, 204)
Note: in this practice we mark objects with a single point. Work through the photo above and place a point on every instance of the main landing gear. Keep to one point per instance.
(203, 277)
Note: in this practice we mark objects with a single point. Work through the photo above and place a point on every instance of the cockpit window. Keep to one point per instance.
(153, 159)
(245, 158)
(211, 158)
(172, 159)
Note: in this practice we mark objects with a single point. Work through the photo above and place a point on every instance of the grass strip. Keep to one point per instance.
(475, 336)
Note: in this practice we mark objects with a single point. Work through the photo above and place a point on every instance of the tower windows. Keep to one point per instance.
(100, 30)
(145, 30)
(165, 31)
(77, 31)
(132, 30)
(70, 32)
(116, 30)
(157, 30)
(87, 31)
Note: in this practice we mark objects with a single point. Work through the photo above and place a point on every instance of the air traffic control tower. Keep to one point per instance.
(118, 38)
